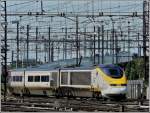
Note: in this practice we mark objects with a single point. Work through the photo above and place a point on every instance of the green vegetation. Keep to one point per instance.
(134, 69)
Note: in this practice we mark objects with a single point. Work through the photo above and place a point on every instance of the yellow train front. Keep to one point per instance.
(113, 82)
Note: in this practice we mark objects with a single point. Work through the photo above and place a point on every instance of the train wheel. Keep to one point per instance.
(73, 93)
(93, 94)
(70, 93)
(105, 99)
(26, 91)
(10, 90)
(96, 95)
(59, 92)
(56, 93)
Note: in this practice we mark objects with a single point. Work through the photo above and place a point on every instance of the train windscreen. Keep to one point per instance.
(113, 72)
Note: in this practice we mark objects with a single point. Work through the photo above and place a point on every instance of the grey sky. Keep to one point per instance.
(68, 6)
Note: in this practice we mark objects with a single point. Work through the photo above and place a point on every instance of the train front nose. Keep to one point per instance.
(119, 90)
(115, 92)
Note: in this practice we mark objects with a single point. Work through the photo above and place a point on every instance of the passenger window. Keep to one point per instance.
(37, 79)
(14, 78)
(30, 78)
(17, 78)
(44, 78)
(20, 78)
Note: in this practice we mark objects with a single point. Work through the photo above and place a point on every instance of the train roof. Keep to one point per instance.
(88, 67)
(56, 65)
(86, 63)
(108, 65)
(51, 69)
(79, 68)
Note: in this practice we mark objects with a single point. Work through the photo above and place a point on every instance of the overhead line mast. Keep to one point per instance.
(5, 54)
(146, 31)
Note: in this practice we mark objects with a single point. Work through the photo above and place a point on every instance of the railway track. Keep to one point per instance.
(43, 104)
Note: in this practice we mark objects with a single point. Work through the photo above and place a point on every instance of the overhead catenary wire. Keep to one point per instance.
(73, 7)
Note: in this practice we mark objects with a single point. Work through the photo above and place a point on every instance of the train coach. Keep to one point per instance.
(99, 81)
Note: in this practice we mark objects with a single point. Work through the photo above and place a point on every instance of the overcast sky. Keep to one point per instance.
(68, 6)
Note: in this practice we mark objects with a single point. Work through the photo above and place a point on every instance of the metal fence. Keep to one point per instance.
(134, 89)
(148, 94)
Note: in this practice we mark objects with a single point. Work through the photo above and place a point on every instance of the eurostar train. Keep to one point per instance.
(107, 81)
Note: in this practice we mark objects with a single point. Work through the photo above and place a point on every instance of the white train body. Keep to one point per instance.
(64, 82)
